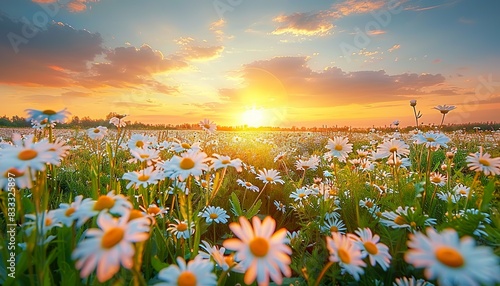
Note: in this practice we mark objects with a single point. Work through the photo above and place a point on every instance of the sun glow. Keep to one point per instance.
(254, 117)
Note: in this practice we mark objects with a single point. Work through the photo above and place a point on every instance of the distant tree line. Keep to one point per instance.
(87, 122)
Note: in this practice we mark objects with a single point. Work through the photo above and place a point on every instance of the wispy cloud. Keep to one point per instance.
(308, 24)
(74, 6)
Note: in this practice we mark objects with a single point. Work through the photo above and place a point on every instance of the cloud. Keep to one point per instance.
(393, 48)
(61, 56)
(308, 24)
(47, 57)
(357, 7)
(74, 6)
(299, 86)
(199, 53)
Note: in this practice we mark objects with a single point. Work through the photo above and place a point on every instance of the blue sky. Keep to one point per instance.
(305, 63)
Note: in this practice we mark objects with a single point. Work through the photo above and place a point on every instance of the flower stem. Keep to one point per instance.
(323, 272)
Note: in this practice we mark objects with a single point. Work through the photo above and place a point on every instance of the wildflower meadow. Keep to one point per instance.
(114, 206)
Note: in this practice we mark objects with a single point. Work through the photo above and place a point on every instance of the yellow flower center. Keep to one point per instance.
(69, 211)
(182, 227)
(104, 202)
(139, 144)
(97, 130)
(269, 179)
(207, 126)
(27, 154)
(186, 146)
(112, 237)
(369, 204)
(399, 220)
(13, 171)
(449, 257)
(338, 147)
(484, 162)
(143, 178)
(186, 163)
(213, 216)
(229, 260)
(301, 195)
(334, 228)
(225, 162)
(430, 139)
(144, 156)
(48, 221)
(186, 278)
(259, 247)
(248, 184)
(344, 256)
(153, 210)
(462, 192)
(393, 149)
(413, 224)
(436, 180)
(135, 214)
(49, 112)
(371, 247)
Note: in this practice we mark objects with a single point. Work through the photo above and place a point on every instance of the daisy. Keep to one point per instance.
(346, 253)
(28, 154)
(448, 197)
(247, 185)
(280, 156)
(118, 121)
(196, 272)
(109, 246)
(180, 147)
(97, 133)
(451, 260)
(270, 176)
(393, 146)
(225, 262)
(280, 206)
(339, 148)
(437, 179)
(42, 223)
(371, 246)
(114, 204)
(154, 210)
(180, 229)
(261, 252)
(190, 163)
(214, 214)
(480, 162)
(333, 224)
(222, 161)
(143, 178)
(48, 114)
(444, 108)
(67, 213)
(412, 281)
(22, 179)
(461, 190)
(300, 194)
(397, 219)
(367, 203)
(144, 155)
(139, 141)
(208, 126)
(432, 139)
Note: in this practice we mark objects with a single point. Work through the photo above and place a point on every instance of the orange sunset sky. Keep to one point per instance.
(272, 63)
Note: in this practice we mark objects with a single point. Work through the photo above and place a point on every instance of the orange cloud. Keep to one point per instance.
(308, 24)
(198, 53)
(75, 6)
(393, 48)
(357, 7)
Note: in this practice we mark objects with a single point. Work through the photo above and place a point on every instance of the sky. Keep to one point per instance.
(255, 62)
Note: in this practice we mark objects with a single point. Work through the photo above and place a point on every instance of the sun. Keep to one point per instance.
(254, 117)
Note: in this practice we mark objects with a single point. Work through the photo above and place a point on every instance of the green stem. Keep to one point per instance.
(323, 272)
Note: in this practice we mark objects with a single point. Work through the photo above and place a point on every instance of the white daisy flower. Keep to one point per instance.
(451, 260)
(196, 272)
(214, 214)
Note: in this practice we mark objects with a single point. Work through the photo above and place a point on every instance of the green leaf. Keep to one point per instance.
(254, 209)
(235, 205)
(157, 264)
(487, 196)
